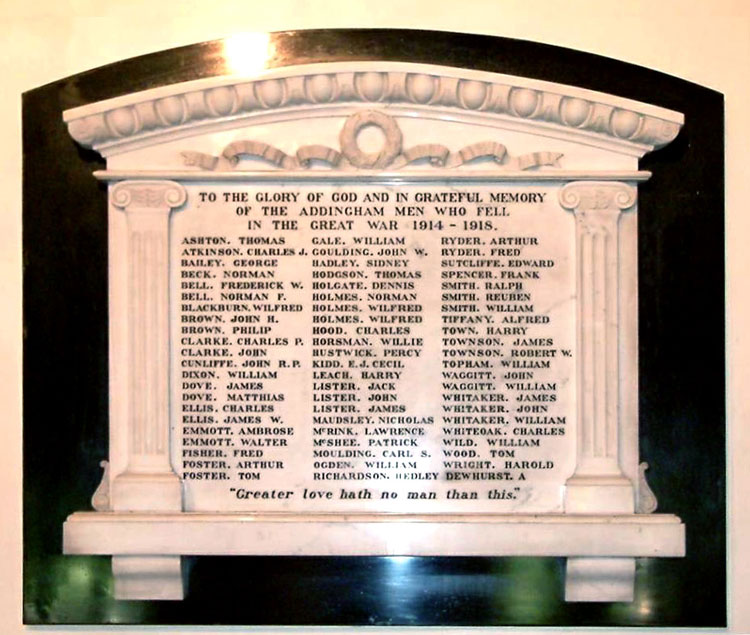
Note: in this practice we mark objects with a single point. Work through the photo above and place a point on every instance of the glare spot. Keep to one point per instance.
(248, 53)
(400, 561)
(79, 574)
(644, 608)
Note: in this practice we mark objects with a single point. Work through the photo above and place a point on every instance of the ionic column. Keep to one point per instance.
(598, 484)
(148, 482)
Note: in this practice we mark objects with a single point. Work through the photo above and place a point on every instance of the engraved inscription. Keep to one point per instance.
(354, 348)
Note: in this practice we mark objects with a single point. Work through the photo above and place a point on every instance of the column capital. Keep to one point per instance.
(148, 196)
(590, 196)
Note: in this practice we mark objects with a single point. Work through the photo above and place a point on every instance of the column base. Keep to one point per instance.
(599, 579)
(148, 577)
(599, 495)
(134, 491)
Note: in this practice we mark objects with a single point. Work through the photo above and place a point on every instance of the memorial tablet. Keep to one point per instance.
(373, 347)
(373, 308)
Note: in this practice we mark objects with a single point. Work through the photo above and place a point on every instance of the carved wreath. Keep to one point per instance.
(391, 155)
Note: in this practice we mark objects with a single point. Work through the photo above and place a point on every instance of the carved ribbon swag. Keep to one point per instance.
(391, 155)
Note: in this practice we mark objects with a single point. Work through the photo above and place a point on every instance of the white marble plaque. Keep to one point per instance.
(373, 309)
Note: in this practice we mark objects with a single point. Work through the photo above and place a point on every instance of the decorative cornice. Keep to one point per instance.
(431, 175)
(182, 106)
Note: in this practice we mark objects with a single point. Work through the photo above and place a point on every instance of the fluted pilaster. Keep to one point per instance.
(598, 483)
(148, 482)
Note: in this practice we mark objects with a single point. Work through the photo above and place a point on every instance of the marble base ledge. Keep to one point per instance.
(186, 533)
(146, 548)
